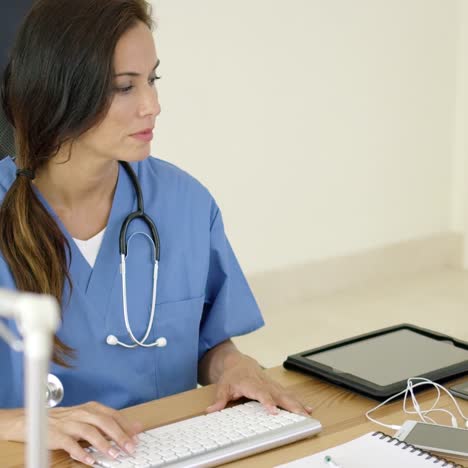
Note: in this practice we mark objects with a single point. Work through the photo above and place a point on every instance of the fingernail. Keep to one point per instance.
(89, 460)
(129, 447)
(274, 410)
(113, 453)
(309, 408)
(135, 439)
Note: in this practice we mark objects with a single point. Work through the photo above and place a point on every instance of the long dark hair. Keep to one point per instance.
(57, 85)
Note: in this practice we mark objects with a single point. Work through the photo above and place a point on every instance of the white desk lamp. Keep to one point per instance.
(37, 317)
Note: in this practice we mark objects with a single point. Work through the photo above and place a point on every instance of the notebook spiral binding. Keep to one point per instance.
(439, 461)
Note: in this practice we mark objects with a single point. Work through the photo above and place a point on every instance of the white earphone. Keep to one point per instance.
(423, 414)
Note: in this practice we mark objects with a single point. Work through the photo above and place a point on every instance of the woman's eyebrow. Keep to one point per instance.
(135, 73)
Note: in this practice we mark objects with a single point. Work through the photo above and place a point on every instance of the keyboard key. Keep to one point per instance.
(156, 461)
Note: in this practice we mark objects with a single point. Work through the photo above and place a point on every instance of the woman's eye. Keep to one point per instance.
(127, 89)
(154, 78)
(124, 89)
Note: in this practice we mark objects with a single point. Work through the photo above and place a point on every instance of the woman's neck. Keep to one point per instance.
(80, 191)
(75, 182)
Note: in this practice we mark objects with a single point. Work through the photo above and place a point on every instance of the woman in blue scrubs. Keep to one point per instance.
(80, 91)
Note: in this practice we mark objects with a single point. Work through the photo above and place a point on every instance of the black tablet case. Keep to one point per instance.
(300, 363)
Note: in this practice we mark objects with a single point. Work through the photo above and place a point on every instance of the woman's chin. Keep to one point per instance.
(135, 156)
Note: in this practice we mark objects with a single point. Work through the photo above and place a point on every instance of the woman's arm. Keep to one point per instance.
(216, 360)
(11, 423)
(238, 375)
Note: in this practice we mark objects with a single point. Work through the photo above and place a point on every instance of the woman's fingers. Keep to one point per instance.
(256, 391)
(249, 388)
(106, 422)
(75, 450)
(132, 428)
(286, 399)
(95, 424)
(268, 393)
(265, 398)
(136, 427)
(82, 431)
(246, 378)
(290, 403)
(221, 399)
(272, 395)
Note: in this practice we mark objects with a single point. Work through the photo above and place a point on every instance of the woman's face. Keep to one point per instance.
(127, 129)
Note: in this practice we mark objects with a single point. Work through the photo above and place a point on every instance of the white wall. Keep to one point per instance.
(322, 127)
(460, 165)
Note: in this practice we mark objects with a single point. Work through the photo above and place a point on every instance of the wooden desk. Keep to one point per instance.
(340, 411)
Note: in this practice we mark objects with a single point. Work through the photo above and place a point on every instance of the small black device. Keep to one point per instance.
(460, 390)
(379, 363)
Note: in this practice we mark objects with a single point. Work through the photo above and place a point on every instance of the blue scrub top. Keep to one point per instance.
(202, 296)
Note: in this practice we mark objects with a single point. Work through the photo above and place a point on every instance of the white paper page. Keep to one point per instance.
(368, 451)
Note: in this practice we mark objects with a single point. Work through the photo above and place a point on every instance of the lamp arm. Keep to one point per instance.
(37, 317)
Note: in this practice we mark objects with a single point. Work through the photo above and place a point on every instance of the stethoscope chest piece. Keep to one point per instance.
(54, 391)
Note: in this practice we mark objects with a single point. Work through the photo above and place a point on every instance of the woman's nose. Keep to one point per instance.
(150, 103)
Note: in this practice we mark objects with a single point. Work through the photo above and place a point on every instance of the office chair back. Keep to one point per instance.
(11, 16)
(7, 140)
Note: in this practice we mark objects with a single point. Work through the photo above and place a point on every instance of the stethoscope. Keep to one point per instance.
(123, 248)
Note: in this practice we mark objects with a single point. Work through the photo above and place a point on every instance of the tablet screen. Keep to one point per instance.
(391, 357)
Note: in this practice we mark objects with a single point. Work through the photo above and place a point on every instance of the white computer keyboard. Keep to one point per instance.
(215, 438)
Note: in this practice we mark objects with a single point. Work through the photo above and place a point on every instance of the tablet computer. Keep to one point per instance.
(378, 363)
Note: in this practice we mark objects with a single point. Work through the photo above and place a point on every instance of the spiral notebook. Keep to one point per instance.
(373, 450)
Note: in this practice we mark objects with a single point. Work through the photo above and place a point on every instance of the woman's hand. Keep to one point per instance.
(91, 422)
(243, 377)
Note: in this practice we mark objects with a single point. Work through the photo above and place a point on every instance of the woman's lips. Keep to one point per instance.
(145, 135)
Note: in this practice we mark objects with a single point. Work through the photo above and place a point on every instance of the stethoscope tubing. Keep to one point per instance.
(123, 250)
(137, 342)
(140, 213)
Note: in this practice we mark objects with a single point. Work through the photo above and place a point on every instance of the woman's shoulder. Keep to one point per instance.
(171, 177)
(161, 167)
(6, 277)
(160, 178)
(7, 175)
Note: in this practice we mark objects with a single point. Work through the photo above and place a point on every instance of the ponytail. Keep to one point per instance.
(35, 249)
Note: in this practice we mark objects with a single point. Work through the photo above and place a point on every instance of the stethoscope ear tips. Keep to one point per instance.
(112, 340)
